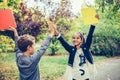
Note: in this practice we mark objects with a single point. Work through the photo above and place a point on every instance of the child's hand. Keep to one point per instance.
(97, 16)
(56, 32)
(51, 28)
(13, 29)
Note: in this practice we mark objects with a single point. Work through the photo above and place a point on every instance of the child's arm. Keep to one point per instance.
(36, 56)
(45, 45)
(14, 30)
(62, 41)
(89, 37)
(90, 34)
(88, 43)
(15, 38)
(86, 46)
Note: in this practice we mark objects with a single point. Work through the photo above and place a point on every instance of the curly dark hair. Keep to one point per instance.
(24, 41)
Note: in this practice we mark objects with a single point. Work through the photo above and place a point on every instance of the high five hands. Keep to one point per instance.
(52, 28)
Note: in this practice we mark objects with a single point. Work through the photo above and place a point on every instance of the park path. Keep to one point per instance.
(107, 69)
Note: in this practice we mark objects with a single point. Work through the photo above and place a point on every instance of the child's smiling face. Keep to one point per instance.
(76, 39)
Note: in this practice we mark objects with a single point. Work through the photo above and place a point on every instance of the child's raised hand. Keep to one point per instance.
(51, 28)
(97, 16)
(13, 29)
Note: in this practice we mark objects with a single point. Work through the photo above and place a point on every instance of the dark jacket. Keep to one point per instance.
(85, 47)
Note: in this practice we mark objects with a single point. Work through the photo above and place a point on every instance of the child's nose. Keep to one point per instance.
(75, 39)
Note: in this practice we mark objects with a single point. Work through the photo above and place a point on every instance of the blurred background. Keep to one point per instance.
(31, 18)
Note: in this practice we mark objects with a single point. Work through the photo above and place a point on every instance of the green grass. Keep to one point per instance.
(8, 67)
(98, 58)
(51, 67)
(61, 50)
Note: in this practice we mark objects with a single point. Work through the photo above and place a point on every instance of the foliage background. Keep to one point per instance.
(106, 39)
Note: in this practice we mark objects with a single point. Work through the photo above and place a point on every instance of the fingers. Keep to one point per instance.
(11, 28)
(56, 32)
(51, 28)
(97, 16)
(51, 24)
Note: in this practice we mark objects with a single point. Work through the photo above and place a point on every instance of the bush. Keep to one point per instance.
(107, 40)
(6, 44)
(29, 21)
(105, 46)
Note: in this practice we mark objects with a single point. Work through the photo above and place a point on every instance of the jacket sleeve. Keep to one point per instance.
(89, 37)
(64, 44)
(17, 50)
(36, 56)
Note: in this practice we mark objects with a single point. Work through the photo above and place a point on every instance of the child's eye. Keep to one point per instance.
(73, 37)
(78, 38)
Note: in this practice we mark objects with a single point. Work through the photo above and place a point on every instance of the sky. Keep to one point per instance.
(42, 6)
(77, 4)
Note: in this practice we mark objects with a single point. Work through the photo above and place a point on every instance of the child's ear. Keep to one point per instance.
(28, 48)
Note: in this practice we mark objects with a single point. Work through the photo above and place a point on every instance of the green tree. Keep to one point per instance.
(29, 21)
(1, 0)
(61, 18)
(106, 39)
